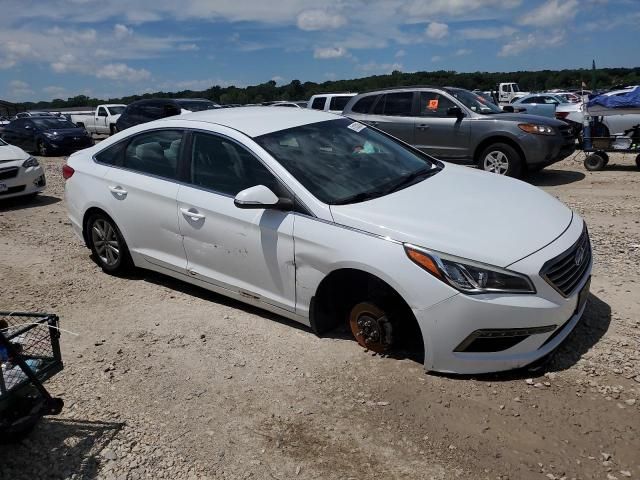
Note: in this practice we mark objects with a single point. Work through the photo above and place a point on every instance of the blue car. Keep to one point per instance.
(46, 135)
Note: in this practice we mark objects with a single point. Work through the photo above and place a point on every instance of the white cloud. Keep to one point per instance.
(330, 52)
(319, 20)
(488, 33)
(122, 72)
(420, 10)
(378, 68)
(550, 13)
(436, 58)
(122, 31)
(400, 53)
(437, 31)
(19, 90)
(188, 47)
(462, 52)
(537, 40)
(277, 79)
(53, 91)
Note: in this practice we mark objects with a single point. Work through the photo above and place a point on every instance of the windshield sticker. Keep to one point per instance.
(433, 104)
(357, 127)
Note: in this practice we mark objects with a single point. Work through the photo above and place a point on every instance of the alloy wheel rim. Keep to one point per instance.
(106, 243)
(496, 162)
(43, 149)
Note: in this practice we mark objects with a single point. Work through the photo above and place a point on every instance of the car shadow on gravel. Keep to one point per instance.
(554, 178)
(21, 203)
(590, 329)
(59, 448)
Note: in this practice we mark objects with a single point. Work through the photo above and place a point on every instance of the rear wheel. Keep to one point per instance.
(594, 162)
(107, 244)
(638, 162)
(112, 129)
(502, 159)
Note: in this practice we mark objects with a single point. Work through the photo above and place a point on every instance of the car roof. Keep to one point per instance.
(256, 121)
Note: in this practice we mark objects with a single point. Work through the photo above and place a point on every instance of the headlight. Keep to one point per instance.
(536, 129)
(50, 134)
(468, 276)
(30, 162)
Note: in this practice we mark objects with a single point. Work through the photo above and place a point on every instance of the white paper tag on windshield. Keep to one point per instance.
(357, 126)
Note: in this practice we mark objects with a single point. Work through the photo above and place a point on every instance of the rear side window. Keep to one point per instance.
(364, 104)
(154, 153)
(111, 155)
(434, 104)
(395, 104)
(338, 103)
(223, 166)
(318, 103)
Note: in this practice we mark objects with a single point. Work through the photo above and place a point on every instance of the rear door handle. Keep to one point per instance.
(118, 190)
(192, 213)
(422, 126)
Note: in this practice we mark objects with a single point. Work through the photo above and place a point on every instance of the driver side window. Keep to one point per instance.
(221, 165)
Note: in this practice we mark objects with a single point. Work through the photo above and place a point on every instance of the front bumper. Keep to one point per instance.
(28, 181)
(543, 320)
(542, 150)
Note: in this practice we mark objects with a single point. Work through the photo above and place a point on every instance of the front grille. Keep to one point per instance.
(566, 271)
(10, 172)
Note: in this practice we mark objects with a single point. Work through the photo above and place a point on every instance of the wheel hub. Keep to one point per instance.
(496, 162)
(371, 328)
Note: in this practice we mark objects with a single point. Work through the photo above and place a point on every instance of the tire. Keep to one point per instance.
(638, 162)
(605, 156)
(42, 149)
(372, 327)
(113, 129)
(594, 162)
(107, 244)
(502, 159)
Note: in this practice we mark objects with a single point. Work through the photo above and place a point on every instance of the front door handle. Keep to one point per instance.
(192, 213)
(118, 190)
(423, 126)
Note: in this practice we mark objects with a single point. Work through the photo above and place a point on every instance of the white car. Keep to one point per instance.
(20, 173)
(330, 102)
(326, 221)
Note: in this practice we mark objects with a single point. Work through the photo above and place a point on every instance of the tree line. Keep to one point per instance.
(297, 90)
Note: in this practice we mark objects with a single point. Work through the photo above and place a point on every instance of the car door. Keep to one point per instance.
(249, 252)
(12, 132)
(438, 133)
(143, 190)
(394, 113)
(101, 121)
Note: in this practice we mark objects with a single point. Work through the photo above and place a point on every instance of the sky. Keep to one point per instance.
(110, 48)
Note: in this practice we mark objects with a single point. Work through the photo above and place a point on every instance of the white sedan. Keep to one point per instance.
(329, 222)
(20, 173)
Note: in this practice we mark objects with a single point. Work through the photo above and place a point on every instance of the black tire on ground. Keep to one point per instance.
(604, 155)
(113, 129)
(107, 244)
(594, 162)
(502, 159)
(638, 162)
(42, 149)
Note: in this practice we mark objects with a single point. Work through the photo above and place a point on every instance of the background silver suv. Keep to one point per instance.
(457, 125)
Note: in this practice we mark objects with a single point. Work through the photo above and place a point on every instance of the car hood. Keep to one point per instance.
(67, 132)
(9, 153)
(464, 212)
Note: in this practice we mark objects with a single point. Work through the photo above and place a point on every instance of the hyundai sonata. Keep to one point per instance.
(327, 221)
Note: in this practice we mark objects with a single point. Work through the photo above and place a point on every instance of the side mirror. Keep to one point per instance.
(261, 197)
(455, 112)
(508, 108)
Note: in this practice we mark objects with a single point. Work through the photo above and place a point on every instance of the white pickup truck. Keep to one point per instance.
(506, 93)
(102, 120)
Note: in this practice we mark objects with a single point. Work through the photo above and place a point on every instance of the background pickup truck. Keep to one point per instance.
(102, 120)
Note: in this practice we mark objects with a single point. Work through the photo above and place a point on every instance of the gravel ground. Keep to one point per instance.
(165, 380)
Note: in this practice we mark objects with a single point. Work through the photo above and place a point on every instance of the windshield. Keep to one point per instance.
(115, 110)
(516, 88)
(52, 123)
(342, 161)
(196, 105)
(474, 102)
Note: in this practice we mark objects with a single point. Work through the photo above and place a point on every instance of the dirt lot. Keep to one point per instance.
(165, 380)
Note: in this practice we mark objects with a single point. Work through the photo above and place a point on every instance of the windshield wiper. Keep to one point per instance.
(360, 197)
(412, 177)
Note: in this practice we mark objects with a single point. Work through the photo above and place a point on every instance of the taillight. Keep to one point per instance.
(67, 172)
(562, 115)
